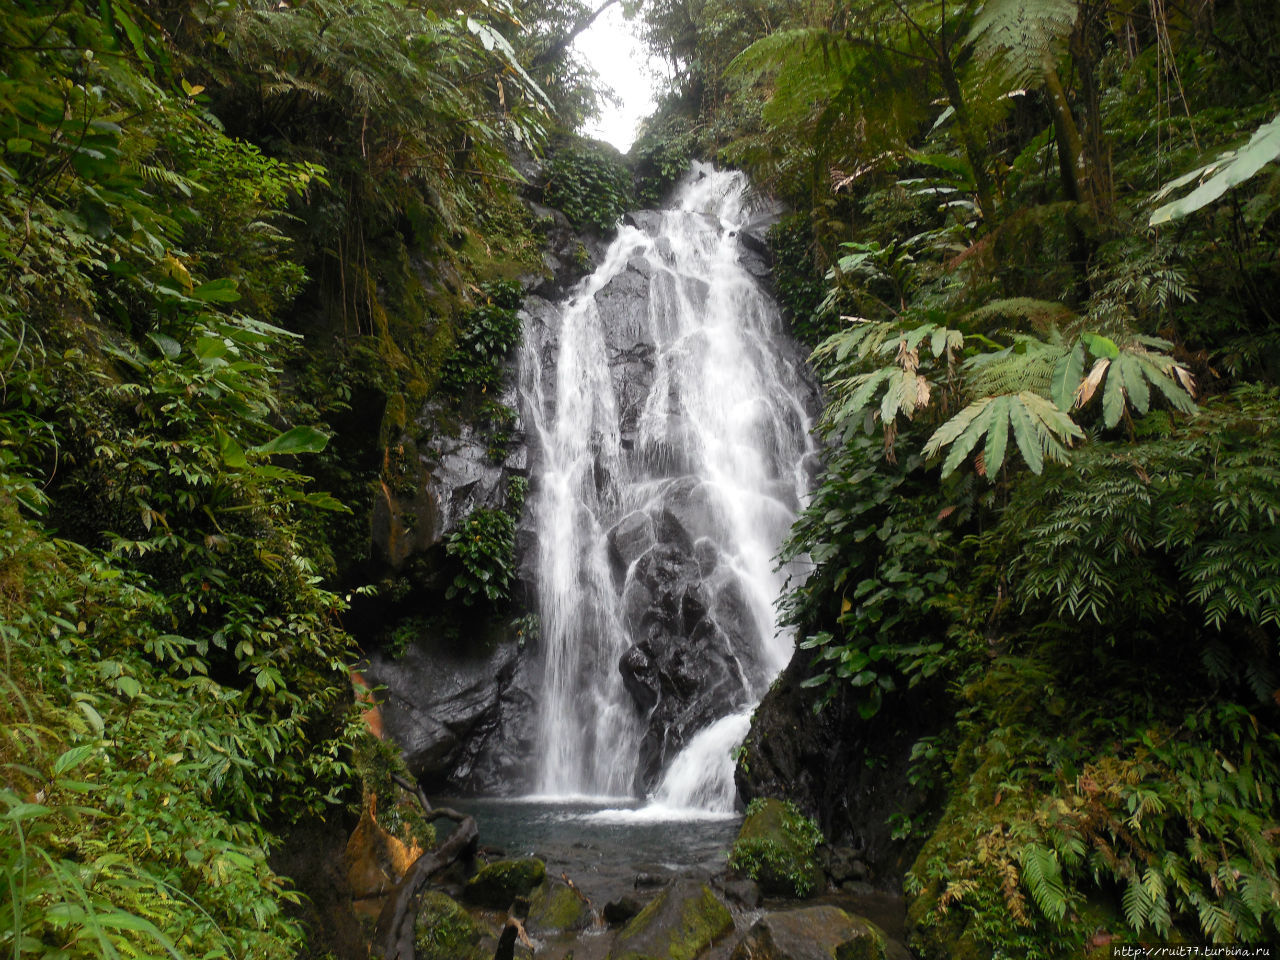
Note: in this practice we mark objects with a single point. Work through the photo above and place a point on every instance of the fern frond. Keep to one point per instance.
(1021, 34)
(1040, 429)
(1043, 876)
(1028, 364)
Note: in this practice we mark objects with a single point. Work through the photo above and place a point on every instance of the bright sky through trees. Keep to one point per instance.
(613, 50)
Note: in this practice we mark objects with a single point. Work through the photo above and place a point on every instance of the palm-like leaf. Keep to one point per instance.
(1040, 430)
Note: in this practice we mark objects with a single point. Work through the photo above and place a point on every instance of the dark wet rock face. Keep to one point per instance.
(462, 718)
(820, 761)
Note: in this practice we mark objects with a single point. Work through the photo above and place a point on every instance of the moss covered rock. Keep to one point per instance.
(555, 907)
(681, 923)
(498, 883)
(777, 847)
(445, 931)
(814, 933)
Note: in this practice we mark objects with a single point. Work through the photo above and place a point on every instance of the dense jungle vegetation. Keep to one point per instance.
(1034, 243)
(186, 189)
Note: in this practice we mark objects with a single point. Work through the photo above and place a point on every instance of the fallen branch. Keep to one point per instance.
(394, 933)
(415, 789)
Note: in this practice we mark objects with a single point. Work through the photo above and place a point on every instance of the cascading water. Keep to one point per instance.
(671, 418)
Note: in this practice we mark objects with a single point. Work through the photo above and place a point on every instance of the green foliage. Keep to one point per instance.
(445, 931)
(1059, 813)
(484, 545)
(797, 284)
(1063, 536)
(117, 760)
(1220, 175)
(660, 157)
(777, 846)
(588, 181)
(175, 678)
(1023, 34)
(1180, 521)
(486, 335)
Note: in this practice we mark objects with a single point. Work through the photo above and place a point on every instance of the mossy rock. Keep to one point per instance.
(555, 907)
(445, 931)
(815, 933)
(681, 923)
(498, 883)
(777, 847)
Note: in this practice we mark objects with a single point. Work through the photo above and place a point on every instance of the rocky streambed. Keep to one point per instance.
(590, 882)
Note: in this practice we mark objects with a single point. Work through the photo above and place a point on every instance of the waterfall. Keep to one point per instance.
(671, 416)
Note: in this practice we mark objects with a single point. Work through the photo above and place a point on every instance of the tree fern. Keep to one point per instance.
(1029, 363)
(1021, 34)
(1040, 430)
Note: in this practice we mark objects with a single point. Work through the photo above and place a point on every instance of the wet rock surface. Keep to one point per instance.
(681, 923)
(812, 933)
(463, 718)
(819, 762)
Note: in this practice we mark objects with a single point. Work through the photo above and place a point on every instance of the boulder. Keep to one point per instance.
(744, 893)
(498, 884)
(646, 221)
(629, 538)
(820, 761)
(445, 931)
(621, 910)
(776, 847)
(814, 933)
(556, 907)
(681, 923)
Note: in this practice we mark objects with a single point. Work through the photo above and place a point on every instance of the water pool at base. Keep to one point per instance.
(604, 843)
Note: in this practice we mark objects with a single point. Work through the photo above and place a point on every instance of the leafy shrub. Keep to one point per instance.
(660, 157)
(485, 545)
(486, 335)
(588, 181)
(777, 847)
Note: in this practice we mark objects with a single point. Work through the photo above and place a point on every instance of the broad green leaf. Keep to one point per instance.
(168, 346)
(231, 452)
(324, 501)
(993, 452)
(25, 811)
(297, 440)
(1226, 171)
(222, 290)
(72, 758)
(1100, 346)
(1067, 374)
(949, 431)
(1113, 394)
(1135, 382)
(964, 444)
(1024, 432)
(129, 686)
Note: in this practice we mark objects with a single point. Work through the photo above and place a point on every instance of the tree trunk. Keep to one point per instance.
(975, 151)
(394, 933)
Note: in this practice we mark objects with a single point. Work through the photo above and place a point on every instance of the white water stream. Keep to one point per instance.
(719, 410)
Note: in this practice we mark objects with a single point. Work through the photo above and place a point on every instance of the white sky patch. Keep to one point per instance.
(623, 64)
